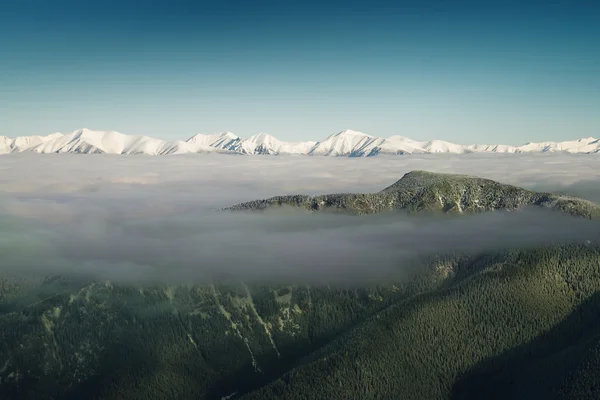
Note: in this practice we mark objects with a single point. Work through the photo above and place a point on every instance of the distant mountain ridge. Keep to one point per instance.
(347, 143)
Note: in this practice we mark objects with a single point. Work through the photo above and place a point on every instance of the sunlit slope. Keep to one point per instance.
(425, 347)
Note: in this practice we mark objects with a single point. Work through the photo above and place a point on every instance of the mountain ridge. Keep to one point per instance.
(419, 191)
(346, 143)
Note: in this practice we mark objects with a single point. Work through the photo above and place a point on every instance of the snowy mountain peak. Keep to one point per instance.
(201, 137)
(24, 143)
(350, 132)
(441, 146)
(225, 141)
(262, 137)
(263, 143)
(398, 138)
(347, 143)
(344, 143)
(92, 132)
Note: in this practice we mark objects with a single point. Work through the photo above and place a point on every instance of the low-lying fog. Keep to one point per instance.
(148, 218)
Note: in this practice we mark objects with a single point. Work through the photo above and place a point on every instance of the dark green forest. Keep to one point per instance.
(519, 325)
(516, 324)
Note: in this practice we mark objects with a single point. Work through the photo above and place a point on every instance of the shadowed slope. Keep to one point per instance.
(560, 364)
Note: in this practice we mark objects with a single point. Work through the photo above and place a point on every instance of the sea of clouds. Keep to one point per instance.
(141, 218)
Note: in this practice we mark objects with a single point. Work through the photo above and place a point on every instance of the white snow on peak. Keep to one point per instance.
(343, 143)
(261, 143)
(264, 143)
(393, 145)
(440, 146)
(492, 148)
(585, 145)
(223, 140)
(111, 142)
(348, 143)
(350, 132)
(23, 143)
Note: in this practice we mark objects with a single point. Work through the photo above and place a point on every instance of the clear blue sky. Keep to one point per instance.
(479, 71)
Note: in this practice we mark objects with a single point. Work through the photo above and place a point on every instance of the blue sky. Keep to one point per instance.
(478, 71)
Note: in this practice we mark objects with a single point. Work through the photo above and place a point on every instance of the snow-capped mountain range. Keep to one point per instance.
(347, 143)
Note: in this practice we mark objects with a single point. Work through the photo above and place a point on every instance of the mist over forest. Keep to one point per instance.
(142, 219)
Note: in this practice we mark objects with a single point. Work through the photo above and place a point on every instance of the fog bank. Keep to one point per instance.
(136, 218)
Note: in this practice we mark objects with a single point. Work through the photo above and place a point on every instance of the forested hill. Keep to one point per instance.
(523, 325)
(420, 191)
(62, 337)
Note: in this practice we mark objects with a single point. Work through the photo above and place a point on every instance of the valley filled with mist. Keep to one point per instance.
(212, 276)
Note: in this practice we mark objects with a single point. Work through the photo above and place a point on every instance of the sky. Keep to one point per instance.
(464, 71)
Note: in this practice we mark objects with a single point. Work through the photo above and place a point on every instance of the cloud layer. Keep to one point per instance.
(143, 218)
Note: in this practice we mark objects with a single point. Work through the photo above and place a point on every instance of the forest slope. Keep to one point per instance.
(419, 191)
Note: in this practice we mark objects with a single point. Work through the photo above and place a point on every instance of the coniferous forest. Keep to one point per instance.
(517, 324)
